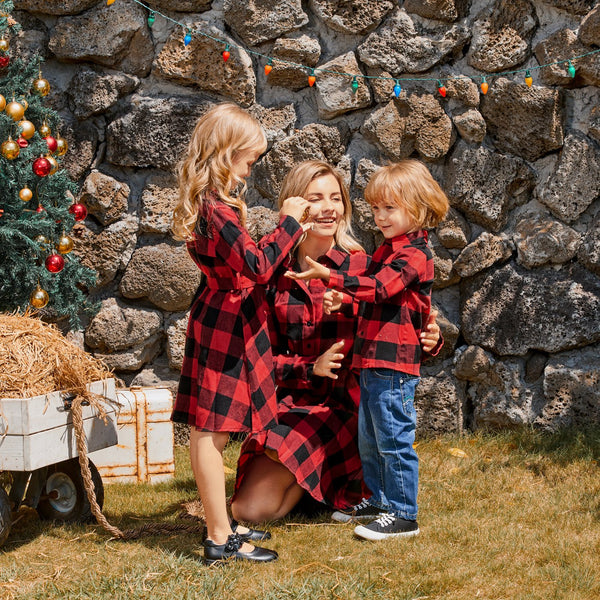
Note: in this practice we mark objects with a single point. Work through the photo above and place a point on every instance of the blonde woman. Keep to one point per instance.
(312, 453)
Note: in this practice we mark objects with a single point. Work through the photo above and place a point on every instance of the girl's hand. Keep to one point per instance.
(329, 360)
(431, 333)
(315, 271)
(295, 207)
(332, 301)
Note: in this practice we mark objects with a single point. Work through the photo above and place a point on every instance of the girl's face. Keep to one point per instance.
(243, 161)
(392, 220)
(326, 205)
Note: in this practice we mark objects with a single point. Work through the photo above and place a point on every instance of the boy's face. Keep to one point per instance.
(392, 219)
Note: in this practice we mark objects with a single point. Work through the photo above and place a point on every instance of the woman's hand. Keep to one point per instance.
(295, 207)
(431, 333)
(332, 301)
(315, 271)
(329, 360)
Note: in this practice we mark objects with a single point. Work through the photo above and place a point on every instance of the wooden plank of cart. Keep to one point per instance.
(38, 454)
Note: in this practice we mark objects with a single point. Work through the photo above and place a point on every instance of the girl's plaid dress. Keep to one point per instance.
(227, 379)
(315, 437)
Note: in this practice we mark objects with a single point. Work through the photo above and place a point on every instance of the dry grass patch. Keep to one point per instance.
(509, 516)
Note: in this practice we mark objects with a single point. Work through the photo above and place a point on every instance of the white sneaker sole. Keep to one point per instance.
(375, 536)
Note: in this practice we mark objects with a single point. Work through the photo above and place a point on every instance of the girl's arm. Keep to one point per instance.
(257, 261)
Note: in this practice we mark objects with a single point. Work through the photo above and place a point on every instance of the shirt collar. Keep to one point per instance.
(407, 238)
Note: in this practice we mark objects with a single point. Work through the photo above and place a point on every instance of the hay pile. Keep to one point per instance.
(35, 359)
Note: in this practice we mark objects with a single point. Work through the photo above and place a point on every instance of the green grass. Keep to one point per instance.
(516, 516)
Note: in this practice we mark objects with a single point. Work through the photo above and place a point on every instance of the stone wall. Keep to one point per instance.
(517, 259)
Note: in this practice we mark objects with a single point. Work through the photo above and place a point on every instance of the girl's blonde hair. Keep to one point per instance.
(409, 184)
(218, 137)
(296, 183)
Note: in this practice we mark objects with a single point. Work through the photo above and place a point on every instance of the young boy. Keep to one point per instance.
(395, 300)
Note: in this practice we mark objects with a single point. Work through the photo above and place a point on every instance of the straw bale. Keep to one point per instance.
(35, 359)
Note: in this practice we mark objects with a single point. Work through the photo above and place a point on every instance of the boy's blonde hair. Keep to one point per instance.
(296, 183)
(218, 137)
(409, 184)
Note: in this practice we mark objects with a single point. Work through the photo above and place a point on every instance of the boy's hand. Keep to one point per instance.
(332, 301)
(431, 333)
(295, 206)
(328, 361)
(315, 271)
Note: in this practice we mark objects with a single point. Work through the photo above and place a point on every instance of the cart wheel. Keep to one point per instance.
(5, 517)
(64, 497)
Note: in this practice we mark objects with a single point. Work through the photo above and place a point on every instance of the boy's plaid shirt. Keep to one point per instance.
(395, 300)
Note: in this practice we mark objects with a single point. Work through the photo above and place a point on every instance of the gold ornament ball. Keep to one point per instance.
(24, 103)
(65, 244)
(45, 130)
(27, 129)
(10, 149)
(53, 162)
(42, 239)
(26, 194)
(61, 146)
(39, 298)
(4, 45)
(2, 102)
(41, 87)
(15, 110)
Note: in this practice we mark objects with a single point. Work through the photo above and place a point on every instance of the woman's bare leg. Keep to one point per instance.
(206, 454)
(268, 492)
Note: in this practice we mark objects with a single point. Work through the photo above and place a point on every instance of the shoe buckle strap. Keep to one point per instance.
(233, 544)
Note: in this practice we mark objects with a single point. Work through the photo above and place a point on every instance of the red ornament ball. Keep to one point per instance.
(40, 209)
(23, 143)
(52, 143)
(55, 263)
(79, 211)
(42, 166)
(4, 60)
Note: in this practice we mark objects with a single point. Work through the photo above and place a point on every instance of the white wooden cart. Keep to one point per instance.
(38, 455)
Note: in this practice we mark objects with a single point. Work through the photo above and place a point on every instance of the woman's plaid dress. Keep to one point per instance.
(227, 381)
(316, 434)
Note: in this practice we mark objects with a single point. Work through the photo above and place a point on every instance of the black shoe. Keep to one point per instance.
(361, 512)
(387, 526)
(231, 550)
(255, 535)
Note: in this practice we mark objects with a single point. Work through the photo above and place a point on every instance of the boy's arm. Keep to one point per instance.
(388, 281)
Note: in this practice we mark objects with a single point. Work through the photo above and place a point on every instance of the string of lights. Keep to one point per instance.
(272, 61)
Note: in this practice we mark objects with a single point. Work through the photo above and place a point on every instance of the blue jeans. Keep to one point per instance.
(386, 431)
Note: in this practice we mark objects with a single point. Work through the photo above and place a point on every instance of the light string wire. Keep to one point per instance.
(354, 76)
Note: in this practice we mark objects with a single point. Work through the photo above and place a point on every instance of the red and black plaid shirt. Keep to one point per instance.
(395, 300)
(226, 381)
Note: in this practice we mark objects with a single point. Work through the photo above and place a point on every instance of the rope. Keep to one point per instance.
(128, 534)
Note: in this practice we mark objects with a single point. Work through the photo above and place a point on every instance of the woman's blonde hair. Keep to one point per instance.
(296, 183)
(409, 184)
(219, 135)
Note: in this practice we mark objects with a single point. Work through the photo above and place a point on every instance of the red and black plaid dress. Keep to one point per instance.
(316, 434)
(227, 381)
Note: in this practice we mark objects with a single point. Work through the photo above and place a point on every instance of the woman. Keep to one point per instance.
(313, 448)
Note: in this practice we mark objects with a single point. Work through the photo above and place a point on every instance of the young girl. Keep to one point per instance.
(227, 381)
(395, 301)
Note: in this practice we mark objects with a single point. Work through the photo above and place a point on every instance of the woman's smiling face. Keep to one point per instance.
(326, 205)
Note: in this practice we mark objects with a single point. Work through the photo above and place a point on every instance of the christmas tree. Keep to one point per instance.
(37, 197)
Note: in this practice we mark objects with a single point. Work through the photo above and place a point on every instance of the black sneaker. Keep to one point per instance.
(361, 512)
(387, 526)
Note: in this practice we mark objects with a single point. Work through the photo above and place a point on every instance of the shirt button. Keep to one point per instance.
(309, 323)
